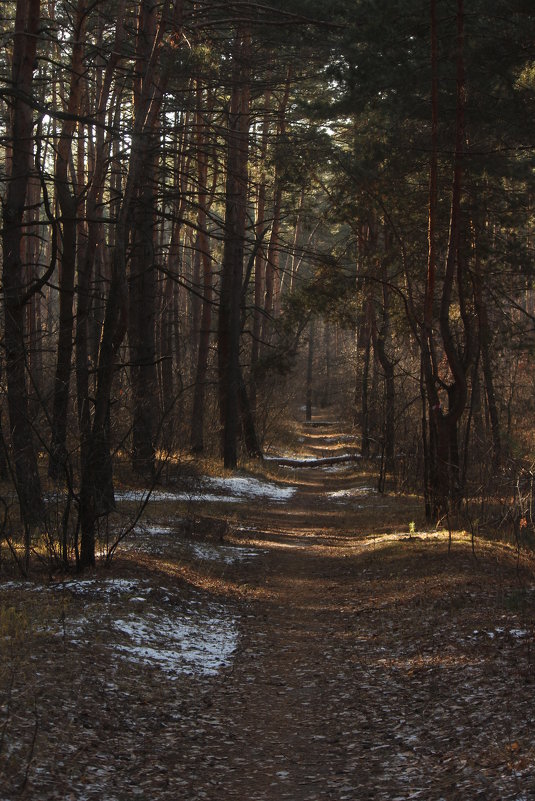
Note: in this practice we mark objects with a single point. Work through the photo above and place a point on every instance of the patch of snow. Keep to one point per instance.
(105, 587)
(197, 638)
(140, 496)
(228, 554)
(353, 492)
(185, 643)
(154, 530)
(233, 489)
(21, 585)
(247, 487)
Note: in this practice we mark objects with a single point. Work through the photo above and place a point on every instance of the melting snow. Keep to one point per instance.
(247, 487)
(107, 588)
(194, 637)
(353, 492)
(233, 489)
(206, 551)
(228, 554)
(186, 643)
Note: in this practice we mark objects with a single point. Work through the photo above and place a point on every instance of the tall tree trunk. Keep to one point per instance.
(229, 327)
(260, 259)
(365, 403)
(203, 246)
(445, 468)
(68, 208)
(91, 502)
(272, 275)
(250, 438)
(310, 371)
(485, 344)
(142, 293)
(33, 307)
(326, 388)
(380, 339)
(142, 279)
(15, 290)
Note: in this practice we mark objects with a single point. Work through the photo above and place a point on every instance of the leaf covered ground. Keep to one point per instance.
(311, 649)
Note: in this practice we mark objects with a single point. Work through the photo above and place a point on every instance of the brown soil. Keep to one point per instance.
(369, 665)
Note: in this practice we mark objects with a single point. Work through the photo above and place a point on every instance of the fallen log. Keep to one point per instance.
(313, 461)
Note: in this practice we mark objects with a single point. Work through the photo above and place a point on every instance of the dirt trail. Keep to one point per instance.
(371, 669)
(369, 666)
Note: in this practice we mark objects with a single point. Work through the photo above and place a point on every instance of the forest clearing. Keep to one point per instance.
(312, 647)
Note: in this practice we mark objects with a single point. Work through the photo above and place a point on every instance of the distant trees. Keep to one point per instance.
(440, 117)
(129, 235)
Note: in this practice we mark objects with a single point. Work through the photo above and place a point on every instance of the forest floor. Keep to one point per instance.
(311, 649)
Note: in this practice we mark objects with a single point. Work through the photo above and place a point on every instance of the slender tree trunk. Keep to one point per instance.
(142, 322)
(92, 503)
(252, 445)
(310, 371)
(68, 205)
(365, 404)
(33, 307)
(445, 469)
(485, 344)
(197, 420)
(427, 461)
(326, 389)
(380, 340)
(167, 383)
(272, 275)
(260, 261)
(203, 245)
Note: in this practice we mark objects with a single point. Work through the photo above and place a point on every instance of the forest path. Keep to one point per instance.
(371, 665)
(367, 664)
